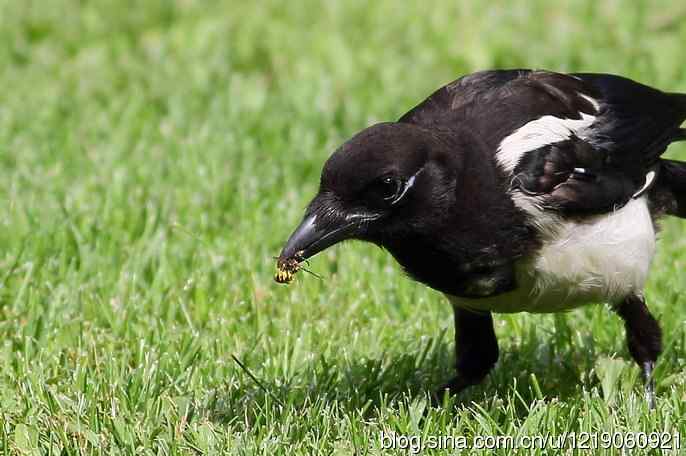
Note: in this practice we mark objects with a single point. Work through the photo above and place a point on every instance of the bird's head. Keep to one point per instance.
(389, 181)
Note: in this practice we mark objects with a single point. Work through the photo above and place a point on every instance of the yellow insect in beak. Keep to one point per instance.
(286, 269)
(283, 276)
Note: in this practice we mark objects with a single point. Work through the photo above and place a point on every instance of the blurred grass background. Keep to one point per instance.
(155, 155)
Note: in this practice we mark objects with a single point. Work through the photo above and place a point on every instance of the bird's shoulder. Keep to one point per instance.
(503, 100)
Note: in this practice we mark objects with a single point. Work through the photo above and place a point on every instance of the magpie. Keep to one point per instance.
(512, 191)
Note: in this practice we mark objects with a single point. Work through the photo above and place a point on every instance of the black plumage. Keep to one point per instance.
(487, 189)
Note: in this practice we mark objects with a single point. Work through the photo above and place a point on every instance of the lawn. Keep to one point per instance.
(155, 155)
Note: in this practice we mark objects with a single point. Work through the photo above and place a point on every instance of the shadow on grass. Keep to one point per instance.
(366, 386)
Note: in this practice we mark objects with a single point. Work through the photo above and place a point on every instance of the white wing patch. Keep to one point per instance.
(538, 133)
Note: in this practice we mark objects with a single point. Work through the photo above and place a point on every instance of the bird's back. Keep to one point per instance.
(576, 144)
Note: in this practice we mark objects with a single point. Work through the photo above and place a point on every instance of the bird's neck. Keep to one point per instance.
(454, 266)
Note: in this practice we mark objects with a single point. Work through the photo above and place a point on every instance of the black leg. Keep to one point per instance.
(644, 338)
(476, 349)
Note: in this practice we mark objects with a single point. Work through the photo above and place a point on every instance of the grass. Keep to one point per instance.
(155, 155)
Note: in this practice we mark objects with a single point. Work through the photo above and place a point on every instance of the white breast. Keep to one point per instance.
(599, 259)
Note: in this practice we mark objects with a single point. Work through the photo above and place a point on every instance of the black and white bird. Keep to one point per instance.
(513, 191)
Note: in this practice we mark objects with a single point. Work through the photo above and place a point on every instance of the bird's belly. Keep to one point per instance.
(603, 258)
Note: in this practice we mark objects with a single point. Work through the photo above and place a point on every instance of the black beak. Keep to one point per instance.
(313, 235)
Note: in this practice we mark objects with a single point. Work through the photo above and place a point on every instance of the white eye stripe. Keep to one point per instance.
(408, 185)
(650, 177)
(591, 100)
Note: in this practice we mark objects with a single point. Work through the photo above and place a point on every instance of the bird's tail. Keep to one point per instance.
(671, 186)
(671, 182)
(681, 135)
(681, 102)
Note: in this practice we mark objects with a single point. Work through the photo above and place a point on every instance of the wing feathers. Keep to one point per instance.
(543, 128)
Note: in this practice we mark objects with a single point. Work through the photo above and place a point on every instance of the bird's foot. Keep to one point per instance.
(649, 384)
(453, 387)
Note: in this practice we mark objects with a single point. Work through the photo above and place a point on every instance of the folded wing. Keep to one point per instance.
(574, 144)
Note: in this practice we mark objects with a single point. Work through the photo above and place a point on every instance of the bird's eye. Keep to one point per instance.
(387, 188)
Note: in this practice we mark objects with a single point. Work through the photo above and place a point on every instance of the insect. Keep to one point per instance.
(286, 269)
